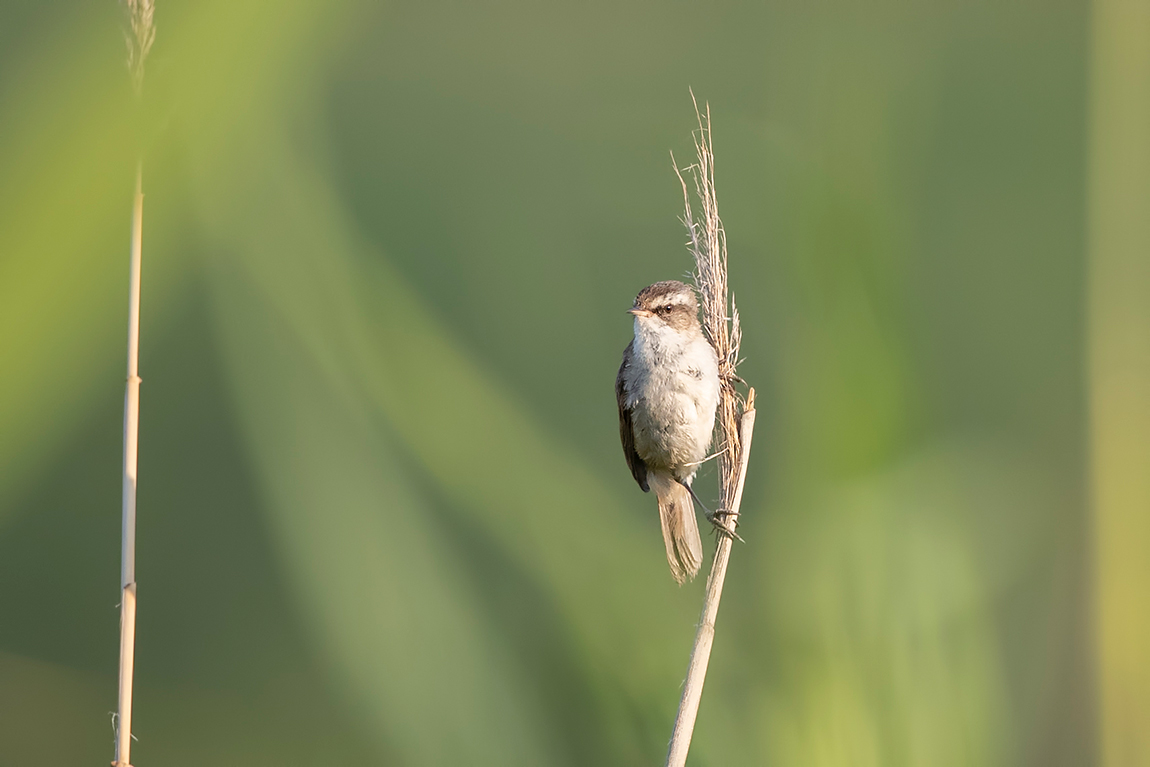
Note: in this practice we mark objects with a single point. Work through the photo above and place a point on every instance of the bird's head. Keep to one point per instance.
(669, 303)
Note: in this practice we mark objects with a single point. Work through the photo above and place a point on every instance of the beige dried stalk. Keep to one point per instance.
(139, 40)
(736, 418)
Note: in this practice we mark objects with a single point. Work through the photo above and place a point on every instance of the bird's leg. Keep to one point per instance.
(692, 492)
(718, 518)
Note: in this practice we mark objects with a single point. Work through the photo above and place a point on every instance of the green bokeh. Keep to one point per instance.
(384, 518)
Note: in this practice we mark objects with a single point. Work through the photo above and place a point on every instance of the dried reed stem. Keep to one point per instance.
(139, 42)
(131, 442)
(708, 244)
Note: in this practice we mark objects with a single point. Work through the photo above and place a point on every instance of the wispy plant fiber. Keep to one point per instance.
(139, 37)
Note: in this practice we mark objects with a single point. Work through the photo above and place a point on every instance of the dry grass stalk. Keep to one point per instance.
(736, 419)
(139, 41)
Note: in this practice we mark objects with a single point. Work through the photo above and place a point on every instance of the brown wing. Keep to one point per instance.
(626, 435)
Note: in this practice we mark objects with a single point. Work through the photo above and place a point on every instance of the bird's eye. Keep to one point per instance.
(667, 308)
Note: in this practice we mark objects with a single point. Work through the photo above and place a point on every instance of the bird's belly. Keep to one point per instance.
(672, 427)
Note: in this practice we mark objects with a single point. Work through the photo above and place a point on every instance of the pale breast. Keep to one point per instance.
(673, 392)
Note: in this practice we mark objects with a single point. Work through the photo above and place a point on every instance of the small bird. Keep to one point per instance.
(668, 389)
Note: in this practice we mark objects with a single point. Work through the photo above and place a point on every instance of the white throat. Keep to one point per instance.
(655, 339)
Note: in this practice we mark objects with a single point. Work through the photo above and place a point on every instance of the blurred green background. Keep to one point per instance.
(384, 516)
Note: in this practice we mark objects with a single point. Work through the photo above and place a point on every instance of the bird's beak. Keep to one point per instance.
(641, 312)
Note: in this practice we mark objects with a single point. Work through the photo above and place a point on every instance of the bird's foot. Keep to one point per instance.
(718, 520)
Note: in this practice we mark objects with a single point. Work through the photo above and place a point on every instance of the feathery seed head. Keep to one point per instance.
(139, 37)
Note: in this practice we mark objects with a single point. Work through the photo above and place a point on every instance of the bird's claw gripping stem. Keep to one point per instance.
(718, 520)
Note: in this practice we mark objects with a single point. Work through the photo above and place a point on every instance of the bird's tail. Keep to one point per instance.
(680, 533)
